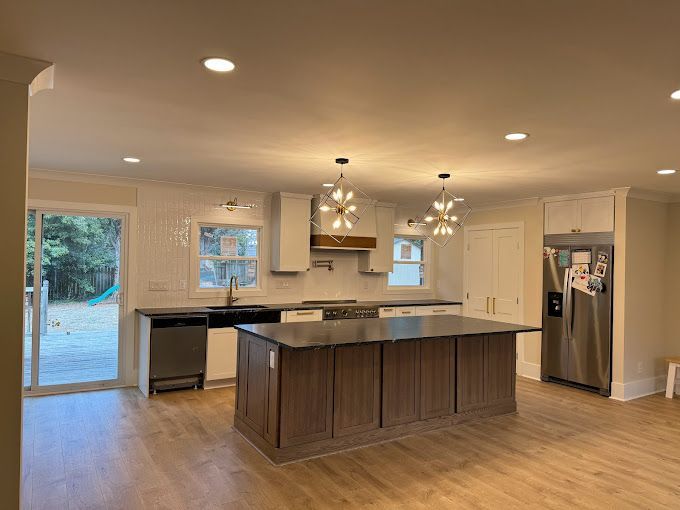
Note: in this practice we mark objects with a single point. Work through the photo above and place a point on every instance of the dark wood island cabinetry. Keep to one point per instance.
(309, 389)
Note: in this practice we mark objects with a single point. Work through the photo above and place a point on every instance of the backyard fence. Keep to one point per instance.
(70, 285)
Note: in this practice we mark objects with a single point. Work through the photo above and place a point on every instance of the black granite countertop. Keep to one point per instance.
(202, 310)
(331, 333)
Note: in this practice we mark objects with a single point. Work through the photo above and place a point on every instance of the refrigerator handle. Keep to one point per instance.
(570, 305)
(565, 300)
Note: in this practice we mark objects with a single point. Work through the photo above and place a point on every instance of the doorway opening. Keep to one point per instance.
(73, 301)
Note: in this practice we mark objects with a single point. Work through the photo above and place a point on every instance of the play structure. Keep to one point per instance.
(104, 295)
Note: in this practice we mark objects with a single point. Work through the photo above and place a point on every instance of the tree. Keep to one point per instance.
(74, 248)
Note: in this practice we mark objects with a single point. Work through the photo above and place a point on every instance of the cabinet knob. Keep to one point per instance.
(371, 269)
(573, 230)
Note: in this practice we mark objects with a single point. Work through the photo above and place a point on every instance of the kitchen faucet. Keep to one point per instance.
(230, 297)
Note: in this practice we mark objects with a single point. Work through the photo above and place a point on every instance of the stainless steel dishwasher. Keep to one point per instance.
(177, 358)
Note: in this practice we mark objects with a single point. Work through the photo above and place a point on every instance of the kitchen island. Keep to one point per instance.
(308, 389)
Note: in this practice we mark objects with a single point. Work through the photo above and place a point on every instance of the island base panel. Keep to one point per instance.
(294, 404)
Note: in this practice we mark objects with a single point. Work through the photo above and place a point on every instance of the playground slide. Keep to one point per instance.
(104, 295)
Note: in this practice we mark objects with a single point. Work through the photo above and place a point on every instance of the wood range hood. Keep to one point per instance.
(363, 235)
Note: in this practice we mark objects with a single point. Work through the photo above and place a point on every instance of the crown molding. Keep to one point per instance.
(653, 196)
(26, 71)
(523, 202)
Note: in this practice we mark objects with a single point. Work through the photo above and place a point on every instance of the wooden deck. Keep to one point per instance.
(74, 357)
(563, 449)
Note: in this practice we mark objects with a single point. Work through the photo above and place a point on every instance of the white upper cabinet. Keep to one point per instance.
(597, 214)
(290, 232)
(594, 214)
(380, 259)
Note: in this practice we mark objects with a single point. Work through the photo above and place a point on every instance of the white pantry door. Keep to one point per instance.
(506, 274)
(493, 273)
(479, 261)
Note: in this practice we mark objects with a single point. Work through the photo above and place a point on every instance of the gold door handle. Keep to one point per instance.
(494, 306)
(441, 310)
(487, 304)
(305, 313)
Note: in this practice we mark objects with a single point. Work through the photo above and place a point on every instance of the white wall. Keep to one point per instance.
(164, 213)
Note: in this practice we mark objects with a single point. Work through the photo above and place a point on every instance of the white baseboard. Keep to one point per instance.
(529, 370)
(639, 388)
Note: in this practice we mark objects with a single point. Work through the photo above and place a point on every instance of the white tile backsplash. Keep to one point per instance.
(163, 251)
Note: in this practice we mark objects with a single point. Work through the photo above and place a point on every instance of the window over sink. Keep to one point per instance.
(220, 251)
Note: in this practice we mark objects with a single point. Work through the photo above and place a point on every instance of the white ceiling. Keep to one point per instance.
(404, 89)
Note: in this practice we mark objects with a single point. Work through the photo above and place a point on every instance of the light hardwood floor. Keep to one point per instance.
(564, 449)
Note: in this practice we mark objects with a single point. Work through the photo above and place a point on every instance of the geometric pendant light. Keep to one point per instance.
(341, 208)
(443, 217)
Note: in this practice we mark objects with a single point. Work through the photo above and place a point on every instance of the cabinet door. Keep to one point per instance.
(387, 312)
(401, 383)
(381, 259)
(290, 232)
(506, 284)
(561, 217)
(357, 389)
(303, 315)
(221, 354)
(596, 214)
(306, 395)
(437, 310)
(479, 276)
(471, 370)
(405, 311)
(501, 368)
(437, 377)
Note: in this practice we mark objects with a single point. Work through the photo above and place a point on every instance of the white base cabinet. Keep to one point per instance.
(220, 360)
(438, 310)
(302, 315)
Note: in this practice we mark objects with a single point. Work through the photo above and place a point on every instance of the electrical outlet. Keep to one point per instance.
(365, 284)
(182, 285)
(639, 367)
(159, 285)
(282, 284)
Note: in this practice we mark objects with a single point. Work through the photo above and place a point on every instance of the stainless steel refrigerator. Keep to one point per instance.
(577, 327)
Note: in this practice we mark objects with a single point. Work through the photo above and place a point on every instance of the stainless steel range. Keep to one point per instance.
(350, 312)
(346, 309)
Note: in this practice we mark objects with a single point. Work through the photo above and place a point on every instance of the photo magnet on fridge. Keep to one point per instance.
(601, 266)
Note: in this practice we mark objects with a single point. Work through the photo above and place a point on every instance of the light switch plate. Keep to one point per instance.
(272, 359)
(163, 285)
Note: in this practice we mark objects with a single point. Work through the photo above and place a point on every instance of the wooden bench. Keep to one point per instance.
(673, 365)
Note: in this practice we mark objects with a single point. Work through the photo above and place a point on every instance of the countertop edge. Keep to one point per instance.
(202, 310)
(240, 327)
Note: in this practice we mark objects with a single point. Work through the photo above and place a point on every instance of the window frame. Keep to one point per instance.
(195, 289)
(427, 268)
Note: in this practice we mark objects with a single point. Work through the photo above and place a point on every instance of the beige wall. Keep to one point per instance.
(672, 279)
(41, 188)
(450, 266)
(13, 156)
(646, 277)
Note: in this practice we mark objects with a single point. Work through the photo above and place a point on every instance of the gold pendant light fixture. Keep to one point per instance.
(443, 217)
(340, 209)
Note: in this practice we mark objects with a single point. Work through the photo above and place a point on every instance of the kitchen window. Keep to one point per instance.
(410, 263)
(220, 251)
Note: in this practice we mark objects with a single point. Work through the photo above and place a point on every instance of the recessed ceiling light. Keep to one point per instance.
(676, 94)
(326, 185)
(219, 65)
(513, 137)
(665, 171)
(130, 159)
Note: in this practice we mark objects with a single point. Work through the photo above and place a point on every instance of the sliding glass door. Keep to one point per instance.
(73, 301)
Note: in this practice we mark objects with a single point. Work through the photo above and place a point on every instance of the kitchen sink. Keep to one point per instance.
(234, 307)
(230, 316)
